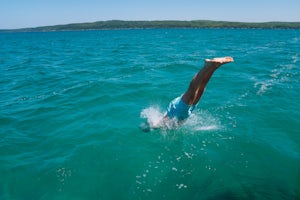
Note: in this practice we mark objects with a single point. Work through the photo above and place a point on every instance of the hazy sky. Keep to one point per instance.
(32, 13)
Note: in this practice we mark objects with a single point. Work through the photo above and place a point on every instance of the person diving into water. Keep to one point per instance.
(181, 107)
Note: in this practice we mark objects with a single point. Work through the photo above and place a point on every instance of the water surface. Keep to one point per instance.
(71, 104)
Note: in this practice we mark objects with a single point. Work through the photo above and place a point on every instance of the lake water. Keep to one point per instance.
(72, 103)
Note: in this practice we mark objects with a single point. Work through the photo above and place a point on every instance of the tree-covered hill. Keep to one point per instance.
(119, 24)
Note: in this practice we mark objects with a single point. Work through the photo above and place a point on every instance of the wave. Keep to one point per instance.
(295, 59)
(282, 74)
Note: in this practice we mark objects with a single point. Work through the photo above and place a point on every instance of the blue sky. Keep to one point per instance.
(32, 13)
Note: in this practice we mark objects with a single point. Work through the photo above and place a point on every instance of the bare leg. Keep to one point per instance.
(198, 83)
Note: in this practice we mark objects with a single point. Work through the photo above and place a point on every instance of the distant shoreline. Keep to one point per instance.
(119, 24)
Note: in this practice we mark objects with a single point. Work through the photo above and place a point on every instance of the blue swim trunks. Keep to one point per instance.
(179, 109)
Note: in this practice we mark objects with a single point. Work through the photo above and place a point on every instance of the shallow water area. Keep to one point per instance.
(72, 105)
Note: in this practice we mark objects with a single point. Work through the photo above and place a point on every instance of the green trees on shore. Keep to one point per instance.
(118, 24)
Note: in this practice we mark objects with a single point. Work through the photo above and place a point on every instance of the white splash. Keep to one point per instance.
(202, 121)
(206, 128)
(154, 117)
(199, 121)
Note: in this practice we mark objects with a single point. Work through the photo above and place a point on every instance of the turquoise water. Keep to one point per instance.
(71, 106)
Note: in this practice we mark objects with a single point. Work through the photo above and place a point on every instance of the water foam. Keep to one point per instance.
(198, 121)
(202, 121)
(154, 117)
(281, 74)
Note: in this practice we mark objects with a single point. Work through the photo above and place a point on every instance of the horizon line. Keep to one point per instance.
(145, 20)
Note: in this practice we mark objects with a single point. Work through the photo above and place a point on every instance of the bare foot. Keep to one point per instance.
(217, 62)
